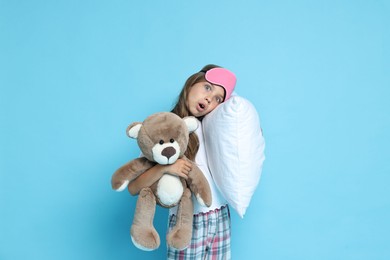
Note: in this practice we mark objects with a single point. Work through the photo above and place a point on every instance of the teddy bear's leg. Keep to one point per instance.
(180, 236)
(143, 233)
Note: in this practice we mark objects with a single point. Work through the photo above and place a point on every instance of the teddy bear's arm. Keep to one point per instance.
(128, 172)
(199, 186)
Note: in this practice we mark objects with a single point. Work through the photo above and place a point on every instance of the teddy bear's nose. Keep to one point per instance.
(168, 152)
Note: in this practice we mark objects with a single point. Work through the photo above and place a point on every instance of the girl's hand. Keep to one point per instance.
(180, 168)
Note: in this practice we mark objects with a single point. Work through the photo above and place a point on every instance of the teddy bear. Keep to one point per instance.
(163, 138)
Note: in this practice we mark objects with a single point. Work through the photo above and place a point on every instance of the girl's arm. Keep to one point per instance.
(180, 168)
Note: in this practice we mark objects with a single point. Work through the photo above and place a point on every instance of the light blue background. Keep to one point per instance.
(74, 74)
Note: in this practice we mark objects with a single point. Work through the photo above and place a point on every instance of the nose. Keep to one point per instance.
(168, 152)
(208, 99)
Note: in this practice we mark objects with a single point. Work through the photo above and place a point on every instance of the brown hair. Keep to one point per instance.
(181, 108)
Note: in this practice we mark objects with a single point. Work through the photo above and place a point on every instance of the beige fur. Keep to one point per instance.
(162, 126)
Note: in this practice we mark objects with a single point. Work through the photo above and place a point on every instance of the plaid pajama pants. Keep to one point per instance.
(210, 236)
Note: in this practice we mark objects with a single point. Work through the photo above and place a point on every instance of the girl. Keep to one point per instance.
(201, 94)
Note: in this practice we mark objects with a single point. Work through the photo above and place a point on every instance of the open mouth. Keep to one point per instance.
(201, 107)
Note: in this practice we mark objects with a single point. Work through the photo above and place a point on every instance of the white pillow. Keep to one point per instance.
(235, 150)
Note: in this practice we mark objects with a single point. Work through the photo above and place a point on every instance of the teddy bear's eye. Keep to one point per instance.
(161, 142)
(171, 140)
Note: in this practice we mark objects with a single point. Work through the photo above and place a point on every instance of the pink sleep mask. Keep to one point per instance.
(223, 78)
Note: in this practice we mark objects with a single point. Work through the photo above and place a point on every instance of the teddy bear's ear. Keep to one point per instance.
(133, 129)
(191, 122)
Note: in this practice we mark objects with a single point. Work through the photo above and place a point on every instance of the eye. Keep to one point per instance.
(161, 142)
(219, 100)
(207, 87)
(171, 140)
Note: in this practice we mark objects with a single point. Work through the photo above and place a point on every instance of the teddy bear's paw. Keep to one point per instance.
(142, 247)
(179, 238)
(145, 239)
(122, 186)
(200, 200)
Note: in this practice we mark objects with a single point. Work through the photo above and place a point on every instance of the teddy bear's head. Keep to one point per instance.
(163, 137)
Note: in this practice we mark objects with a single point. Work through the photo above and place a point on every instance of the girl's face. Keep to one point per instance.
(203, 97)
